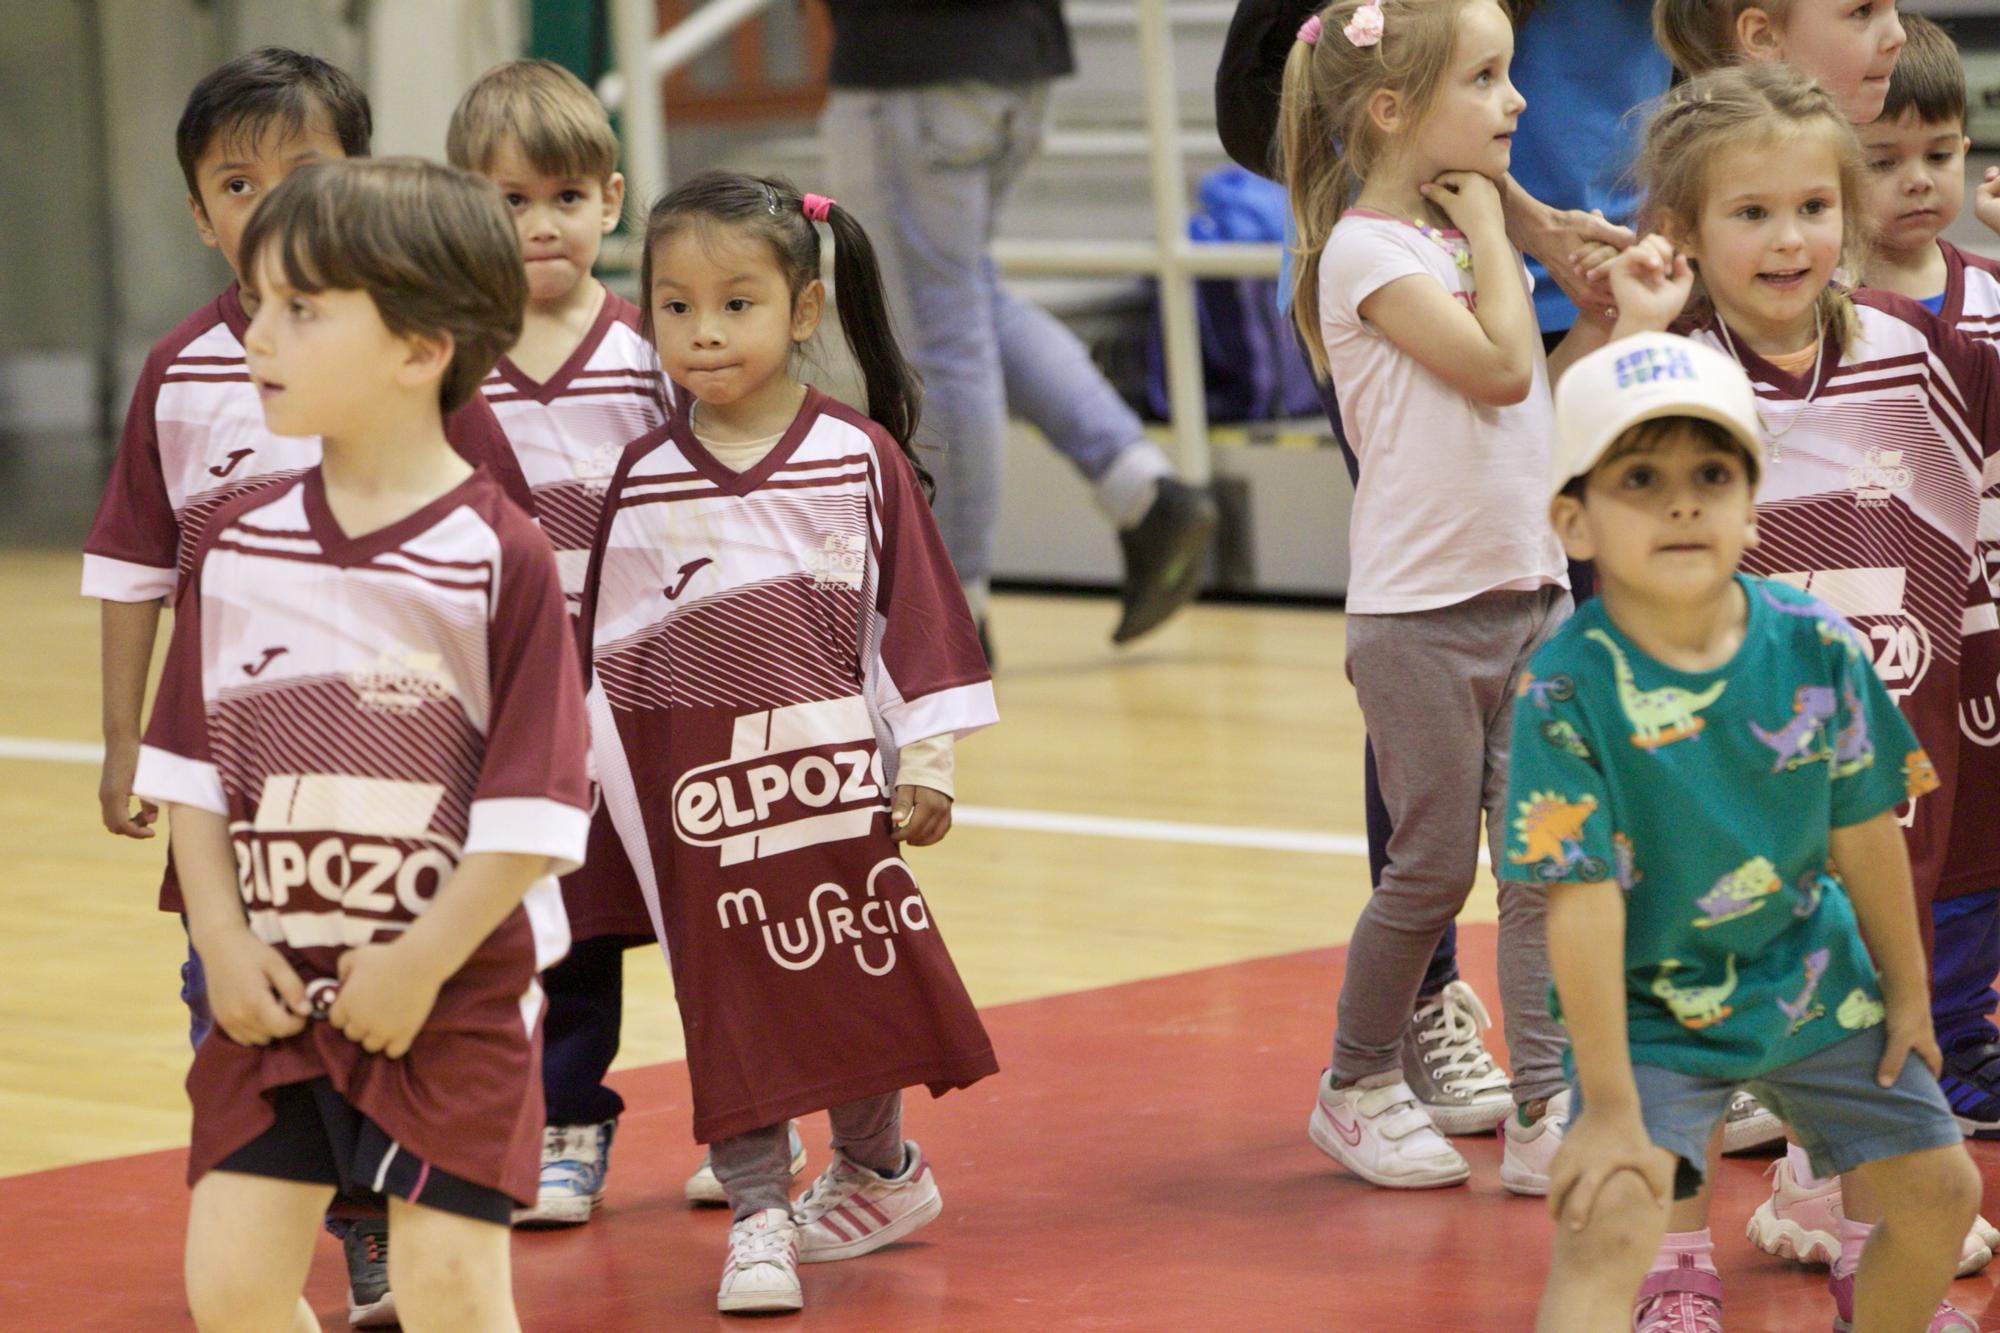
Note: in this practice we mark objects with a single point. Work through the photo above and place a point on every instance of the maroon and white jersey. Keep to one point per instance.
(194, 439)
(1972, 865)
(760, 640)
(1870, 501)
(366, 712)
(568, 432)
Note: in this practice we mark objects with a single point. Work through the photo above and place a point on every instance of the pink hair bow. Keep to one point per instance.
(1309, 31)
(817, 207)
(1365, 28)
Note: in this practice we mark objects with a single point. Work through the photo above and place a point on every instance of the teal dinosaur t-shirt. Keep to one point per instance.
(1708, 797)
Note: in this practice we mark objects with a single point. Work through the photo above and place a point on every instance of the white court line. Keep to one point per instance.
(972, 816)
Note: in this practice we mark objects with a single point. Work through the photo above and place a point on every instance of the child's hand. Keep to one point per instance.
(114, 793)
(1597, 1147)
(1471, 201)
(385, 996)
(1986, 200)
(1650, 285)
(1908, 1028)
(253, 992)
(920, 816)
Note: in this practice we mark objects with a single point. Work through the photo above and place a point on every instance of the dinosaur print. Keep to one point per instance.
(1852, 750)
(1626, 870)
(1551, 833)
(1557, 687)
(1738, 893)
(1832, 629)
(1696, 1007)
(1804, 1009)
(1799, 741)
(1919, 774)
(1567, 738)
(1658, 716)
(1859, 1010)
(1812, 885)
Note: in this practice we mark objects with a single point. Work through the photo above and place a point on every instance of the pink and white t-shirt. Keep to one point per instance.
(365, 712)
(568, 431)
(1450, 503)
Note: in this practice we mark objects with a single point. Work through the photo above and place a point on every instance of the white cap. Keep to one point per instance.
(1643, 378)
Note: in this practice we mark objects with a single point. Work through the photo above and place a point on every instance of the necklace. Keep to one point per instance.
(1812, 381)
(1460, 255)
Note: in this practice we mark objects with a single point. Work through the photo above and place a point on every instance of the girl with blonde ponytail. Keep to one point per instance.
(1396, 127)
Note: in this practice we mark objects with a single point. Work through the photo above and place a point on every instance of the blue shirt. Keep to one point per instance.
(1934, 304)
(1587, 68)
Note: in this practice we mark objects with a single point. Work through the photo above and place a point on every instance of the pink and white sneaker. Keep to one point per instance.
(1683, 1299)
(1796, 1222)
(1803, 1224)
(851, 1210)
(1376, 1129)
(1946, 1320)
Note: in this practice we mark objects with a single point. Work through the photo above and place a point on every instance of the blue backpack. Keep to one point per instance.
(1251, 363)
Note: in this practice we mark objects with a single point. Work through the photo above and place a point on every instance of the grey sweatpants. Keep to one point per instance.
(755, 1169)
(1437, 692)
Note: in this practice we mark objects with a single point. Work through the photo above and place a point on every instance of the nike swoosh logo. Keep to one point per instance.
(688, 571)
(1350, 1133)
(257, 668)
(235, 456)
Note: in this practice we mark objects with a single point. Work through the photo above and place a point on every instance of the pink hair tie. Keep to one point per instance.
(1310, 30)
(816, 207)
(1365, 28)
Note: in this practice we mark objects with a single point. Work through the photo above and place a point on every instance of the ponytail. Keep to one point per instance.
(895, 390)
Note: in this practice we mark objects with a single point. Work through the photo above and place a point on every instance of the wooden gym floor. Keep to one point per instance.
(1157, 852)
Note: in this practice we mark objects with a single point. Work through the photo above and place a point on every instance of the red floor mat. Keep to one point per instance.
(1141, 1161)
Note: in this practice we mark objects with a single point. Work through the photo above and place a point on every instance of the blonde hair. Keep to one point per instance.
(558, 123)
(1747, 105)
(1327, 142)
(1700, 35)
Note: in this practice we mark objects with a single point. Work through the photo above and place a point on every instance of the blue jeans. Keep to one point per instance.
(926, 170)
(1964, 962)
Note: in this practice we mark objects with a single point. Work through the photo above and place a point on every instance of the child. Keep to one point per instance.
(1916, 165)
(580, 385)
(1755, 174)
(370, 735)
(1848, 46)
(779, 642)
(1395, 123)
(1691, 802)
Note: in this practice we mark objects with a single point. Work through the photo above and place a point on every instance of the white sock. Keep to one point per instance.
(1130, 485)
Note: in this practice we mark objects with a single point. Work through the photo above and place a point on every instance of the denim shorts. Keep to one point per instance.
(1842, 1117)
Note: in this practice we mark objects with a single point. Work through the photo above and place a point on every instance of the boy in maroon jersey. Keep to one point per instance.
(370, 738)
(1916, 159)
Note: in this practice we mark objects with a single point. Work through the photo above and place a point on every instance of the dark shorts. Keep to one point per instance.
(318, 1138)
(1843, 1118)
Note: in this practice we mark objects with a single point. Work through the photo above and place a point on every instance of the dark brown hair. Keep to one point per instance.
(771, 210)
(1655, 431)
(557, 122)
(1929, 77)
(270, 86)
(431, 245)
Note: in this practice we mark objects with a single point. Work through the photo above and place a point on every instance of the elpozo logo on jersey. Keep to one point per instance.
(1879, 477)
(796, 777)
(401, 679)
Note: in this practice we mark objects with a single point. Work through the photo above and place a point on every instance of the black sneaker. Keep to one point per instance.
(1971, 1083)
(370, 1303)
(1164, 553)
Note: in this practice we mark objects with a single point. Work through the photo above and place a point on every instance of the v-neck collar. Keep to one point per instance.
(347, 551)
(1800, 387)
(742, 483)
(607, 315)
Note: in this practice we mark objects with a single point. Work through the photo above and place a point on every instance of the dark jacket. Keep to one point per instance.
(908, 43)
(1251, 75)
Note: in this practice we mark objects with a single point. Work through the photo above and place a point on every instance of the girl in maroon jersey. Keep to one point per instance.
(1877, 417)
(779, 643)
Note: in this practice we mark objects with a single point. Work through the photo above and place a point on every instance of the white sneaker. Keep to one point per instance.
(703, 1190)
(1524, 1165)
(1749, 1125)
(575, 1159)
(1449, 1067)
(762, 1271)
(1377, 1130)
(851, 1211)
